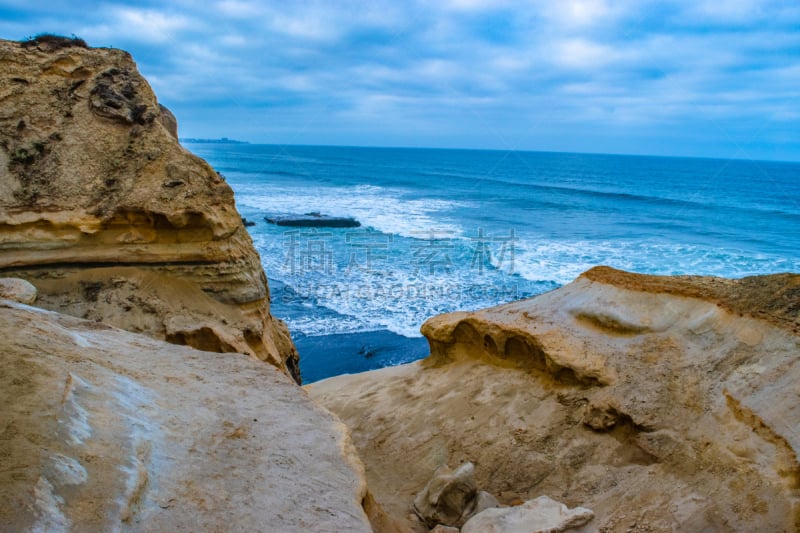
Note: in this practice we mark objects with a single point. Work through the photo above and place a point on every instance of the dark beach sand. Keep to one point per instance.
(347, 353)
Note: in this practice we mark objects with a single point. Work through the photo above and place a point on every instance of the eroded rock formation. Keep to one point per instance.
(661, 403)
(106, 430)
(92, 178)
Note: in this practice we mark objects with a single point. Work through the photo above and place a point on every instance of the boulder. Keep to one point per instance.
(449, 497)
(542, 515)
(17, 290)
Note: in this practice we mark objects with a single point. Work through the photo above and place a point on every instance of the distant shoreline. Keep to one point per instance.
(222, 140)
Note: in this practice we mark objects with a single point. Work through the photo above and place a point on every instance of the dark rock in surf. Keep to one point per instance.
(313, 220)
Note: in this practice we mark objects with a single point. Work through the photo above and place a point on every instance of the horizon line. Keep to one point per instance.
(228, 140)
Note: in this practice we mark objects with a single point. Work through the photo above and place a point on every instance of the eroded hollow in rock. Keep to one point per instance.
(203, 338)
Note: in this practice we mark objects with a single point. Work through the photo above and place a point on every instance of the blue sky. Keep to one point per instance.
(717, 78)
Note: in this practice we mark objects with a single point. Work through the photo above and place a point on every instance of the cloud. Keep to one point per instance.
(578, 13)
(475, 5)
(730, 11)
(315, 26)
(237, 9)
(142, 25)
(582, 54)
(561, 73)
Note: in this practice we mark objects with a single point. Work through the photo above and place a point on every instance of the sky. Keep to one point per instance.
(708, 78)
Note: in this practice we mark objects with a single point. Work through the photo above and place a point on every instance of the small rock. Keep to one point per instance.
(448, 497)
(18, 290)
(444, 529)
(542, 515)
(484, 501)
(601, 415)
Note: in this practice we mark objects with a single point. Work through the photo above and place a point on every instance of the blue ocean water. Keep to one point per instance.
(446, 230)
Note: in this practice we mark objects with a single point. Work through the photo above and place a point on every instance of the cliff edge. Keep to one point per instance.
(661, 403)
(111, 219)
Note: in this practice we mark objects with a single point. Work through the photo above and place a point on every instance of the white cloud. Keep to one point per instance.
(306, 26)
(578, 62)
(298, 82)
(582, 54)
(240, 9)
(509, 63)
(138, 25)
(727, 11)
(576, 13)
(476, 5)
(233, 40)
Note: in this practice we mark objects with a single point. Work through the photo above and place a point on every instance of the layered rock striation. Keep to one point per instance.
(661, 403)
(101, 208)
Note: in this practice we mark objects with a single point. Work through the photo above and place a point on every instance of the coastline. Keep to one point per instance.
(164, 394)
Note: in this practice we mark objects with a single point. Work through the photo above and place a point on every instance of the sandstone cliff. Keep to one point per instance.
(106, 430)
(661, 403)
(104, 212)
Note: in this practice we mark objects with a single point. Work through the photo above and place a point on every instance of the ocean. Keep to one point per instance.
(446, 230)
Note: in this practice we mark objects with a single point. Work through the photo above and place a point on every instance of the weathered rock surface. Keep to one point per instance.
(169, 121)
(449, 496)
(661, 403)
(542, 515)
(444, 529)
(17, 290)
(105, 430)
(483, 501)
(93, 177)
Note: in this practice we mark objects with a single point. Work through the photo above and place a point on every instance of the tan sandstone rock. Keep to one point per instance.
(105, 430)
(444, 529)
(542, 515)
(448, 497)
(661, 403)
(17, 290)
(92, 178)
